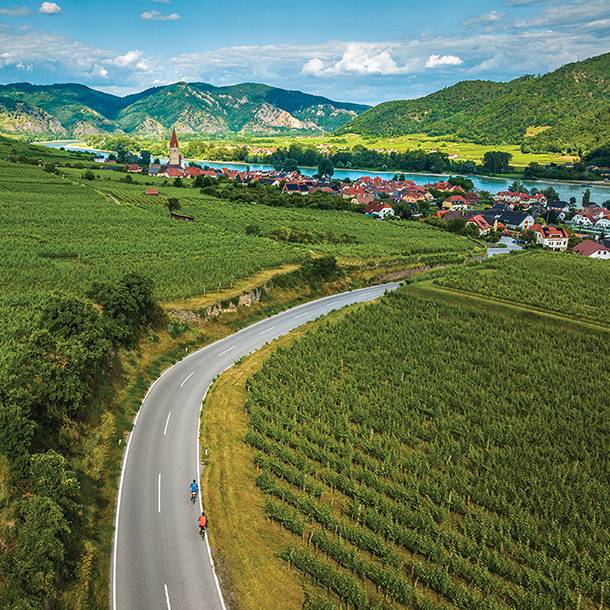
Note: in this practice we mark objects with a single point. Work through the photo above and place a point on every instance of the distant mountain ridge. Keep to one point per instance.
(491, 113)
(72, 110)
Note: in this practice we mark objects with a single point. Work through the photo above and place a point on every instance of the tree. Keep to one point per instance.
(325, 168)
(172, 204)
(550, 193)
(423, 207)
(586, 197)
(126, 304)
(529, 236)
(144, 159)
(457, 225)
(178, 182)
(16, 433)
(89, 175)
(50, 477)
(496, 162)
(465, 184)
(517, 187)
(253, 229)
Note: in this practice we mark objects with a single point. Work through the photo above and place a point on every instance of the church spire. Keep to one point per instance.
(174, 142)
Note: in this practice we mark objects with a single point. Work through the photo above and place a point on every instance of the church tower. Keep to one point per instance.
(175, 158)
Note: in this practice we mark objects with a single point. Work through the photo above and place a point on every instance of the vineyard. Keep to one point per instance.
(65, 232)
(28, 152)
(427, 455)
(572, 285)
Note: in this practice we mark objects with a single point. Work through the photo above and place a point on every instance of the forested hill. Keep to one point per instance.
(493, 113)
(69, 110)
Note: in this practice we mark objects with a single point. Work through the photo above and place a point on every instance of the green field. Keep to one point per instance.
(65, 232)
(427, 454)
(572, 285)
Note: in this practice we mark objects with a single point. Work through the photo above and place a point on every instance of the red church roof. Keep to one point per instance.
(174, 142)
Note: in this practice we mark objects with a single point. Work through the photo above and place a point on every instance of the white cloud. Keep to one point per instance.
(130, 58)
(99, 71)
(436, 61)
(16, 11)
(572, 14)
(488, 19)
(358, 58)
(50, 8)
(157, 16)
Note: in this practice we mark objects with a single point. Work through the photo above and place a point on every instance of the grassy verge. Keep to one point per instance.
(244, 542)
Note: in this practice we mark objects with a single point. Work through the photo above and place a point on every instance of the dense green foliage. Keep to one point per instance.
(54, 359)
(430, 455)
(428, 114)
(73, 110)
(567, 284)
(574, 135)
(572, 99)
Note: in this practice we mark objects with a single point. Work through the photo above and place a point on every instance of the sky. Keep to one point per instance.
(360, 51)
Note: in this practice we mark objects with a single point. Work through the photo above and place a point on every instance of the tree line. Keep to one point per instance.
(51, 375)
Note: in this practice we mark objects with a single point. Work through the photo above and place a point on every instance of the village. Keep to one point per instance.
(515, 215)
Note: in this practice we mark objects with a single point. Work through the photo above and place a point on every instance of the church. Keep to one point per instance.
(176, 161)
(175, 167)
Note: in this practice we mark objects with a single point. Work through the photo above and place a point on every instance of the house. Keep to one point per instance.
(99, 158)
(379, 209)
(173, 172)
(296, 187)
(133, 168)
(581, 220)
(471, 198)
(479, 221)
(520, 221)
(152, 191)
(592, 249)
(554, 238)
(603, 224)
(455, 202)
(192, 172)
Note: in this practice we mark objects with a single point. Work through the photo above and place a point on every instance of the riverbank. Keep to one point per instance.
(492, 184)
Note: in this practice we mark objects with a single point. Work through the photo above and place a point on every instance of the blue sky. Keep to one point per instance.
(357, 50)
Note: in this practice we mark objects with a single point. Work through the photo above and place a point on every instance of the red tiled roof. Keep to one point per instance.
(588, 247)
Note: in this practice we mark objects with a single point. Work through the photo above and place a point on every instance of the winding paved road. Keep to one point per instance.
(158, 559)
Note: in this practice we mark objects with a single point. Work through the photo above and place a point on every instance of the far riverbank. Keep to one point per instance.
(599, 192)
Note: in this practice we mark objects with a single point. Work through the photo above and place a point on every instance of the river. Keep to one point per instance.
(599, 194)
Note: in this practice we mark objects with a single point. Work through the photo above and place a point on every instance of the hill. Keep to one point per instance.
(495, 113)
(72, 110)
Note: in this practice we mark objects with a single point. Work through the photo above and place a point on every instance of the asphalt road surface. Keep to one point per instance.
(158, 558)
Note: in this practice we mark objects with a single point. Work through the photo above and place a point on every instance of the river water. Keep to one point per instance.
(599, 194)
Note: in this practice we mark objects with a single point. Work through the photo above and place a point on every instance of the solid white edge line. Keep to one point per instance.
(389, 286)
(222, 601)
(167, 423)
(167, 598)
(159, 495)
(187, 378)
